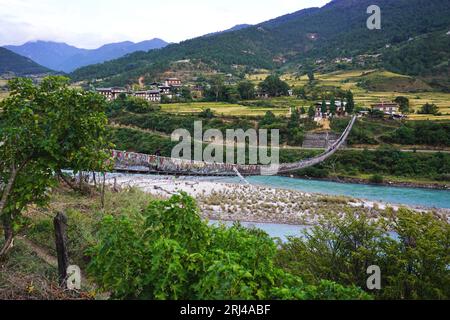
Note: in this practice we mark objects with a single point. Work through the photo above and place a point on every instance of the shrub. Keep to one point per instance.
(377, 179)
(429, 108)
(414, 261)
(170, 253)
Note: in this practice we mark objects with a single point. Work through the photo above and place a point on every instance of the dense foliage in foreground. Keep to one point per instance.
(168, 252)
(45, 129)
(414, 263)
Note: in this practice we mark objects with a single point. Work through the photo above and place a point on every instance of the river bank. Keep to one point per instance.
(389, 183)
(224, 200)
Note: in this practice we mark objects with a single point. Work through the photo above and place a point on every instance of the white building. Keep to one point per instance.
(111, 93)
(149, 95)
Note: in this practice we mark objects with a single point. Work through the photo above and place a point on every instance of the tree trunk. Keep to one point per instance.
(9, 235)
(80, 177)
(67, 181)
(115, 185)
(6, 219)
(8, 188)
(60, 224)
(103, 191)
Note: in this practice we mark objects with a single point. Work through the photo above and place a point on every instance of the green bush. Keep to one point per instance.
(168, 252)
(377, 179)
(414, 264)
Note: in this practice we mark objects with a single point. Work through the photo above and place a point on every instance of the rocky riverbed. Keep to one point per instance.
(240, 202)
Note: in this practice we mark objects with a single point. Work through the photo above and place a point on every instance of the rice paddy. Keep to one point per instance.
(222, 109)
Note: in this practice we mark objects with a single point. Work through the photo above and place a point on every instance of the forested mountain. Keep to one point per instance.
(63, 57)
(11, 62)
(235, 28)
(335, 30)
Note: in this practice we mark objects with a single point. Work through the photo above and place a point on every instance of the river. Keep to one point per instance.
(395, 195)
(280, 231)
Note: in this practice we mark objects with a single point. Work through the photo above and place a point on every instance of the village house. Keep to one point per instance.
(388, 108)
(197, 92)
(111, 93)
(340, 109)
(165, 90)
(261, 95)
(172, 82)
(149, 95)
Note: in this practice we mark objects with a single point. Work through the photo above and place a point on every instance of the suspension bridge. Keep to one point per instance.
(152, 164)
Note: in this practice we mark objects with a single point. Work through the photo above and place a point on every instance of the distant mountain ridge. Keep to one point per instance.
(235, 28)
(297, 41)
(11, 62)
(64, 57)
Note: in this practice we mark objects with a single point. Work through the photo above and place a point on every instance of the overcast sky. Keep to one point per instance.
(92, 23)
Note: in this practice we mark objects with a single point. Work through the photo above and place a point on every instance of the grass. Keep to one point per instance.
(84, 216)
(348, 80)
(396, 180)
(222, 108)
(25, 275)
(3, 95)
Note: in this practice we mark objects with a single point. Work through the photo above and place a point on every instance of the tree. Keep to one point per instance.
(186, 94)
(333, 108)
(46, 129)
(414, 262)
(300, 92)
(230, 94)
(268, 119)
(324, 108)
(274, 86)
(418, 262)
(429, 108)
(302, 110)
(403, 102)
(137, 105)
(295, 119)
(246, 90)
(311, 76)
(350, 107)
(207, 114)
(376, 114)
(312, 112)
(217, 86)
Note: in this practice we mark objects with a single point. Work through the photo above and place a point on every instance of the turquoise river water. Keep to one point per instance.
(395, 195)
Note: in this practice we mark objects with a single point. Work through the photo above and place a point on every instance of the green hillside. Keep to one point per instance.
(289, 42)
(11, 62)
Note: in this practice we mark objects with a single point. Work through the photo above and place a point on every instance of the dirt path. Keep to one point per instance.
(51, 260)
(40, 252)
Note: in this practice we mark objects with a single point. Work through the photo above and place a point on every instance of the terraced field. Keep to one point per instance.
(3, 95)
(348, 80)
(222, 108)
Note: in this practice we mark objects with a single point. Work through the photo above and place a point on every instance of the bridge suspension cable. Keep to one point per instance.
(143, 163)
